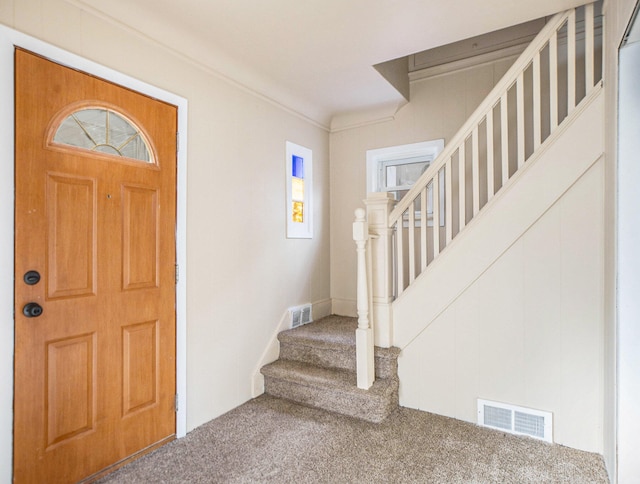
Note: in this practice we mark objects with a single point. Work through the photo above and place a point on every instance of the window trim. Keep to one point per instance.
(376, 157)
(304, 229)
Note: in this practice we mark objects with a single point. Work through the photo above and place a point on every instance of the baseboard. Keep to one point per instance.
(344, 307)
(320, 309)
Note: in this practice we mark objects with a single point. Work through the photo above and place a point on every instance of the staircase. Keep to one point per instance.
(400, 244)
(317, 368)
(552, 84)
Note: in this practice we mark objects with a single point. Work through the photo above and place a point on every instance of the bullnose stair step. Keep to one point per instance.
(330, 389)
(330, 342)
(317, 368)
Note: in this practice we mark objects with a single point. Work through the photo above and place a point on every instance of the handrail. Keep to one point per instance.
(510, 77)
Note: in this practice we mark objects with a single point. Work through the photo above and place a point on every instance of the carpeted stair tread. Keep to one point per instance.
(311, 375)
(335, 332)
(332, 332)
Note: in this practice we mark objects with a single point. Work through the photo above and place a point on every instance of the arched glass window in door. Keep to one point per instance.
(104, 131)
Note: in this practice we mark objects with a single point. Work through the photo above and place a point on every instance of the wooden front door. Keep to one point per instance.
(95, 212)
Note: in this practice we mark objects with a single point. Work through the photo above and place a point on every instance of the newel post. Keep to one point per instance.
(364, 334)
(379, 206)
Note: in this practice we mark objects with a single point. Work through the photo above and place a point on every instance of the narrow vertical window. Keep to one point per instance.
(299, 187)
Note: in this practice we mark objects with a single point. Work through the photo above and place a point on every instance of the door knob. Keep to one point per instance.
(32, 310)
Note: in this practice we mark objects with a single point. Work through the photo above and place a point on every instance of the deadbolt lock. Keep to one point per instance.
(32, 278)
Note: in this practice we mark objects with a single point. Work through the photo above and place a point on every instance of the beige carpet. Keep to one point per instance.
(268, 440)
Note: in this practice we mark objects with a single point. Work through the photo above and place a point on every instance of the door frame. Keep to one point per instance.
(9, 39)
(628, 262)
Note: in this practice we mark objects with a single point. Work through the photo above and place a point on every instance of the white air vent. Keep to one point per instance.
(516, 420)
(300, 315)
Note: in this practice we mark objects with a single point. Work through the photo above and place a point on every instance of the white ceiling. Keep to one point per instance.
(315, 56)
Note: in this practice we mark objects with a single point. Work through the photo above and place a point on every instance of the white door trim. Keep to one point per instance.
(9, 39)
(628, 265)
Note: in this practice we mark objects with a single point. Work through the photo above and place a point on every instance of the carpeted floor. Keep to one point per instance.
(268, 440)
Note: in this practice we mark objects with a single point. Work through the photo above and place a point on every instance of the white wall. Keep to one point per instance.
(242, 271)
(438, 107)
(528, 331)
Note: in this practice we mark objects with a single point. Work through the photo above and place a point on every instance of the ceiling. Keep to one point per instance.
(315, 57)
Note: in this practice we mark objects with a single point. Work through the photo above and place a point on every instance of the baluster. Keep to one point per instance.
(423, 228)
(490, 155)
(462, 188)
(504, 137)
(571, 61)
(400, 254)
(449, 202)
(412, 242)
(537, 111)
(475, 170)
(553, 80)
(520, 117)
(435, 193)
(589, 47)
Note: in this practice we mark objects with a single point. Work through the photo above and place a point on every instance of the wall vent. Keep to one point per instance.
(516, 420)
(300, 315)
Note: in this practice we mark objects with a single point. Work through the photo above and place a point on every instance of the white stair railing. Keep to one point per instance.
(559, 68)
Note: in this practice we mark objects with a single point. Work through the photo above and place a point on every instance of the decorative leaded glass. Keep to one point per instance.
(297, 188)
(104, 131)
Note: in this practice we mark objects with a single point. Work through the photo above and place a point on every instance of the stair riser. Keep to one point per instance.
(333, 358)
(322, 357)
(386, 367)
(366, 408)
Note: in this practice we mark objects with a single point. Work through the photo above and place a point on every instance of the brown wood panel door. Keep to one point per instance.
(95, 216)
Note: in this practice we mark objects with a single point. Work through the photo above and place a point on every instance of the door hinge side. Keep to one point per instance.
(177, 142)
(175, 403)
(177, 273)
